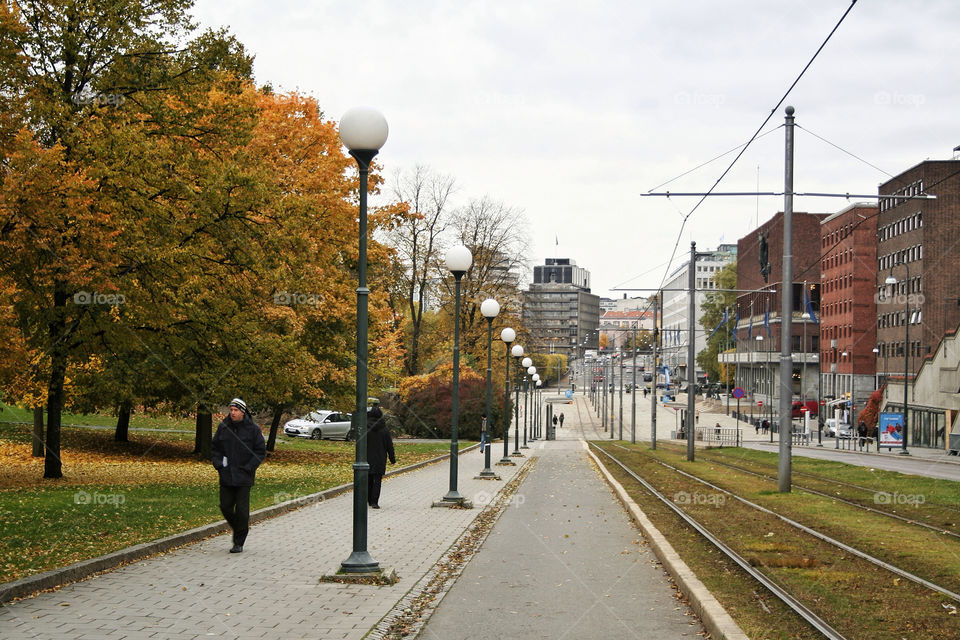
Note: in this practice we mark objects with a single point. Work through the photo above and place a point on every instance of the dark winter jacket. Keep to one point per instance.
(243, 446)
(379, 442)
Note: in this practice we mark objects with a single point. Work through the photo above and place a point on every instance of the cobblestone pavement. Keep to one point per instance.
(272, 589)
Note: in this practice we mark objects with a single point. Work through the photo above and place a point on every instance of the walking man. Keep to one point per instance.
(561, 419)
(236, 452)
(379, 447)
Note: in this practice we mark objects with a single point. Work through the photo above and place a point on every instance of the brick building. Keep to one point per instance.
(758, 360)
(848, 312)
(918, 243)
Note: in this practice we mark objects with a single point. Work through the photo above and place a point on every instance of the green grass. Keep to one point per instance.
(115, 495)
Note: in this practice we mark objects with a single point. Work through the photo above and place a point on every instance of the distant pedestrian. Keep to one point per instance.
(555, 420)
(862, 432)
(561, 419)
(756, 427)
(379, 448)
(717, 430)
(483, 433)
(766, 426)
(236, 452)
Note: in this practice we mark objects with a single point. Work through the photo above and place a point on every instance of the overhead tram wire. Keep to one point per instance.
(712, 160)
(839, 148)
(756, 133)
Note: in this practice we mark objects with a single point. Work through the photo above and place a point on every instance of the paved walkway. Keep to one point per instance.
(272, 589)
(564, 561)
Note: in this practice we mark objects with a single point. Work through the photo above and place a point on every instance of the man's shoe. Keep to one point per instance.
(237, 548)
(374, 506)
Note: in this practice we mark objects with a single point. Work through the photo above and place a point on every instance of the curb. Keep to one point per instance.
(85, 568)
(714, 617)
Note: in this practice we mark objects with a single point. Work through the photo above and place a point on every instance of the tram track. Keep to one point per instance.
(824, 624)
(852, 503)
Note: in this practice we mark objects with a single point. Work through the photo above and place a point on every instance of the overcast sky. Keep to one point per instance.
(570, 111)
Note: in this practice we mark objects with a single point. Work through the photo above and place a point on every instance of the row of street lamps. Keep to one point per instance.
(364, 131)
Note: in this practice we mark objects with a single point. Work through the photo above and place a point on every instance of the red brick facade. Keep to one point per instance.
(848, 312)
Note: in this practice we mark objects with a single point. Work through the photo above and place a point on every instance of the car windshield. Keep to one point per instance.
(316, 416)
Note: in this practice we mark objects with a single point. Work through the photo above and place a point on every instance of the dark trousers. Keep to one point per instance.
(374, 482)
(235, 507)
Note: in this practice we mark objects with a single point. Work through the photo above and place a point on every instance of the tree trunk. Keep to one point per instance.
(58, 335)
(274, 427)
(123, 423)
(204, 431)
(38, 432)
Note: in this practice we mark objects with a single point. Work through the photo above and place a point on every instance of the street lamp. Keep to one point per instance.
(458, 260)
(507, 335)
(535, 419)
(363, 130)
(876, 369)
(517, 352)
(539, 431)
(529, 371)
(906, 352)
(489, 308)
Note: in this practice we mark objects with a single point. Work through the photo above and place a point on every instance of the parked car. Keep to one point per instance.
(797, 408)
(648, 377)
(321, 424)
(830, 429)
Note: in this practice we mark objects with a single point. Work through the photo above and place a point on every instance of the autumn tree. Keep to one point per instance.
(71, 219)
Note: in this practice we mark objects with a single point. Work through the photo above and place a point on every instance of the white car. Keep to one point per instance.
(830, 429)
(321, 424)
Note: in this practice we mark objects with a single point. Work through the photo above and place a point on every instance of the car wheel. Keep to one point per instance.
(349, 437)
(316, 435)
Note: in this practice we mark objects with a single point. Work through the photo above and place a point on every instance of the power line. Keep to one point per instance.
(849, 153)
(755, 134)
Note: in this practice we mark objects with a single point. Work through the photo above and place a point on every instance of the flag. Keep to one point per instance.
(556, 239)
(809, 307)
(722, 322)
(766, 321)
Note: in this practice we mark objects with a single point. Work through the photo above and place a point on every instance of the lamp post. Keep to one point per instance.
(621, 395)
(535, 418)
(876, 369)
(457, 260)
(363, 131)
(489, 308)
(760, 380)
(507, 335)
(539, 431)
(517, 352)
(906, 352)
(530, 370)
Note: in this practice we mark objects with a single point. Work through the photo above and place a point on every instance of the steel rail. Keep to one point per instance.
(843, 500)
(816, 621)
(816, 534)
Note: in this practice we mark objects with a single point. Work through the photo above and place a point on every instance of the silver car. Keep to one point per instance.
(830, 429)
(321, 424)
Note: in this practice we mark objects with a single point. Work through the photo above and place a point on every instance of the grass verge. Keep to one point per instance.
(114, 495)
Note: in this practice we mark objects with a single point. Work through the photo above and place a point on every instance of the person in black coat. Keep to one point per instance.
(379, 447)
(236, 452)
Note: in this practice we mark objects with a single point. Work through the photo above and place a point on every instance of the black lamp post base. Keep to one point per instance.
(517, 454)
(904, 452)
(505, 462)
(377, 577)
(458, 502)
(359, 562)
(487, 474)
